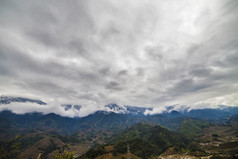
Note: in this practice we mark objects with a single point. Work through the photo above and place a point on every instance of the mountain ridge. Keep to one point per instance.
(169, 111)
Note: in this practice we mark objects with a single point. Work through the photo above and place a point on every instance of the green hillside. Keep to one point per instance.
(191, 128)
(144, 140)
(155, 134)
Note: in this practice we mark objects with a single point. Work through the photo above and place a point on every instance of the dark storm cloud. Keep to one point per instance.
(93, 53)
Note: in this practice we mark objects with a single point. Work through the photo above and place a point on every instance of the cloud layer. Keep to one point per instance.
(145, 53)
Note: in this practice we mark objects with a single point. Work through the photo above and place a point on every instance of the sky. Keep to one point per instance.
(148, 53)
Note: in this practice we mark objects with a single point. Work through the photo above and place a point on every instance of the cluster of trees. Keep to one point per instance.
(10, 149)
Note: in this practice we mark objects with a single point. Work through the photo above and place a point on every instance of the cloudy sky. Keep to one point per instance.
(132, 52)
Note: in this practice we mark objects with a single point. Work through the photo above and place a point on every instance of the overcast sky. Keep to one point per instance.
(131, 52)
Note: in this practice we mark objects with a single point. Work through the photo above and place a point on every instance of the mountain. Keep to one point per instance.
(107, 132)
(175, 111)
(115, 108)
(125, 109)
(16, 123)
(219, 113)
(8, 100)
(232, 121)
(134, 149)
(100, 120)
(191, 128)
(209, 114)
(71, 107)
(142, 140)
(157, 132)
(230, 110)
(170, 120)
(109, 120)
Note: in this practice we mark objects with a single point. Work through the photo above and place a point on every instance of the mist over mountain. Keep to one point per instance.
(6, 103)
(175, 129)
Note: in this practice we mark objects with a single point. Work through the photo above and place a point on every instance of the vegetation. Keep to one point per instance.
(69, 138)
(138, 130)
(50, 148)
(137, 147)
(93, 153)
(108, 136)
(64, 154)
(156, 135)
(144, 140)
(29, 141)
(192, 128)
(10, 149)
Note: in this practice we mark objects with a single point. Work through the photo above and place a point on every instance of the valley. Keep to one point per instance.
(220, 140)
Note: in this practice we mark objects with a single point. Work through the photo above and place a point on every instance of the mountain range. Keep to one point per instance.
(110, 129)
(172, 111)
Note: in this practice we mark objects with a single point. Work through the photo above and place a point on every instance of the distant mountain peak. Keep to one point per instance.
(116, 108)
(125, 109)
(71, 107)
(9, 99)
(178, 108)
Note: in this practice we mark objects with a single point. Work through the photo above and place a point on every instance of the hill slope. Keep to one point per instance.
(143, 140)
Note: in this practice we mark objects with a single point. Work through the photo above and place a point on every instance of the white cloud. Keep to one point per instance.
(155, 110)
(126, 52)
